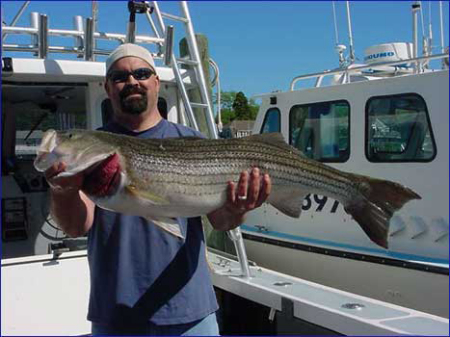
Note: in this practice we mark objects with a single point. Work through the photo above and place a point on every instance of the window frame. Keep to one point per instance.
(327, 160)
(366, 130)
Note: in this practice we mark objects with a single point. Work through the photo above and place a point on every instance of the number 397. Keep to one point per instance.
(318, 203)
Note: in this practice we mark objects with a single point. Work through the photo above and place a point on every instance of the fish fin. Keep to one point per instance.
(274, 139)
(380, 199)
(169, 225)
(288, 201)
(153, 198)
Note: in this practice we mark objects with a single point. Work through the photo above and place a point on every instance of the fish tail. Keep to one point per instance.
(378, 202)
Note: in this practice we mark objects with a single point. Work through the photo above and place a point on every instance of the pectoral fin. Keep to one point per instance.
(288, 201)
(148, 196)
(169, 225)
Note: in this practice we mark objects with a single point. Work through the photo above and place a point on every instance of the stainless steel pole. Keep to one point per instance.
(17, 17)
(350, 35)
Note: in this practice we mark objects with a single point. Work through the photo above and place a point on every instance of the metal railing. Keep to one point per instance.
(418, 61)
(84, 38)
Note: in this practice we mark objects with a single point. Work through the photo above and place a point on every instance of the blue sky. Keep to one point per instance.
(261, 45)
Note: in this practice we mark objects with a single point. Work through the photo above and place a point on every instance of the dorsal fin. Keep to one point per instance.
(274, 139)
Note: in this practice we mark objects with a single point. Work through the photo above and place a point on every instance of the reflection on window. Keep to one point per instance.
(271, 121)
(398, 129)
(321, 130)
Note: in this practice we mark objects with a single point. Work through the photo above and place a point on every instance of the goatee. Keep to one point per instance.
(135, 105)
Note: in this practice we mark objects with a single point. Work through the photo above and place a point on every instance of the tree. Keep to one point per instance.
(226, 106)
(234, 105)
(226, 99)
(240, 106)
(227, 116)
(243, 109)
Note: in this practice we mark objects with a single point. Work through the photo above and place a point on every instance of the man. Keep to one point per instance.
(143, 280)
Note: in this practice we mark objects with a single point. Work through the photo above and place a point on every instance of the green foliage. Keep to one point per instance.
(240, 106)
(235, 105)
(226, 99)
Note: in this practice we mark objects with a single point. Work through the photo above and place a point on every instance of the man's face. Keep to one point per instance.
(132, 86)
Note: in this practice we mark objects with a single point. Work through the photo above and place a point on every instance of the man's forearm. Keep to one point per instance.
(72, 211)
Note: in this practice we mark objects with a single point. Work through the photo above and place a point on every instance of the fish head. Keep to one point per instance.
(78, 149)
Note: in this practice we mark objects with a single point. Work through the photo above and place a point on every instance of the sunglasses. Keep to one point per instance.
(141, 74)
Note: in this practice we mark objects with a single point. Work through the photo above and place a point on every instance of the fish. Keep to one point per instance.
(162, 179)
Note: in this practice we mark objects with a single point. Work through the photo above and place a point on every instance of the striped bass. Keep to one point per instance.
(161, 179)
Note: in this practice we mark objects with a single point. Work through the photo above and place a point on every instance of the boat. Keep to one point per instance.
(385, 118)
(44, 273)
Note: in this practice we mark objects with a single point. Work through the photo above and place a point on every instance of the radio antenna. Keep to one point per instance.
(421, 19)
(340, 48)
(336, 33)
(441, 22)
(430, 29)
(350, 34)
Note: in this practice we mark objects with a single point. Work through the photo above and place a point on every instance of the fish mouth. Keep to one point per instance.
(46, 156)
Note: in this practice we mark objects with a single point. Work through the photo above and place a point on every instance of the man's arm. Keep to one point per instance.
(71, 208)
(250, 193)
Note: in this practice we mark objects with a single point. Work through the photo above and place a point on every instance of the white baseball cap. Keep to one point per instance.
(129, 49)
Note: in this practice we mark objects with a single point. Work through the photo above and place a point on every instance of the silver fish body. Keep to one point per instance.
(160, 179)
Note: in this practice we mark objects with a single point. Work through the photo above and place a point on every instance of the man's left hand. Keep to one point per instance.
(249, 193)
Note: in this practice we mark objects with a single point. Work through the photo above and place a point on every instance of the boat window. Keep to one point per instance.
(398, 129)
(271, 121)
(321, 130)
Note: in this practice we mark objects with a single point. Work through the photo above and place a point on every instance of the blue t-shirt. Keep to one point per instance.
(141, 273)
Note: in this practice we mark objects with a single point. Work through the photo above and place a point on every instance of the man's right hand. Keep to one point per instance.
(70, 207)
(63, 184)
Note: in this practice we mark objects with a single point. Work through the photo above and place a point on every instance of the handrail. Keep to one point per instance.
(364, 67)
(77, 33)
